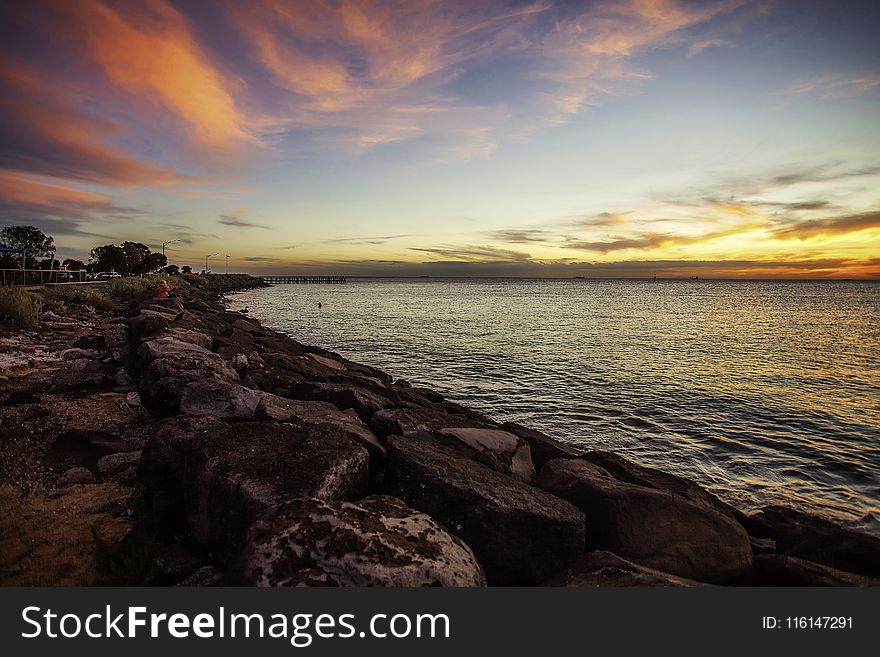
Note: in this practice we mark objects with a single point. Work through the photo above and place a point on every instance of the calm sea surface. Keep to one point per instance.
(761, 391)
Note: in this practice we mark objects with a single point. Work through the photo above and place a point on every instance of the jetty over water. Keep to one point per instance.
(300, 280)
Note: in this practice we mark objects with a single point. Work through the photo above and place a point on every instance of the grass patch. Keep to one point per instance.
(20, 309)
(132, 288)
(83, 295)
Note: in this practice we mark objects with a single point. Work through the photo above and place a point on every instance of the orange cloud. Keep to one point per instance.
(149, 51)
(44, 132)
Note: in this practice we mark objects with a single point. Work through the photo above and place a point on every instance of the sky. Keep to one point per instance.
(721, 138)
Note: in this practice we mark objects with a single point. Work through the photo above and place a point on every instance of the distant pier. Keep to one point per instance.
(301, 280)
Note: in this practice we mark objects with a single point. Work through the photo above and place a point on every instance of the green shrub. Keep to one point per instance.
(84, 295)
(20, 308)
(131, 288)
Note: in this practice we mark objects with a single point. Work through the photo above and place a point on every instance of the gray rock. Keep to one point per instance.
(281, 409)
(520, 534)
(166, 346)
(218, 399)
(76, 476)
(164, 379)
(499, 450)
(327, 362)
(543, 447)
(114, 463)
(188, 336)
(378, 541)
(655, 528)
(133, 399)
(364, 402)
(75, 354)
(123, 379)
(400, 421)
(149, 322)
(600, 568)
(239, 362)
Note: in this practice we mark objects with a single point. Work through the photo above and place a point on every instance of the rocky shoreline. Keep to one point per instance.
(176, 443)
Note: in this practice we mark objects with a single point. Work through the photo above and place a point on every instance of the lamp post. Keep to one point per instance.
(168, 242)
(227, 264)
(210, 255)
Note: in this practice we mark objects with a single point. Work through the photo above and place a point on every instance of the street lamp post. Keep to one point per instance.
(168, 242)
(227, 264)
(210, 255)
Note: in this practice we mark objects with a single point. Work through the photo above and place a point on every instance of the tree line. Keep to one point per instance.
(35, 250)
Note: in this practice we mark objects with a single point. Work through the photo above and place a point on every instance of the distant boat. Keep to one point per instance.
(580, 276)
(695, 278)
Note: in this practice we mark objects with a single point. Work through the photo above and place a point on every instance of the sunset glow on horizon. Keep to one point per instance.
(719, 138)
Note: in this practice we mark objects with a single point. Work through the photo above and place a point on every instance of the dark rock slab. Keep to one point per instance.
(221, 399)
(520, 534)
(785, 570)
(90, 342)
(84, 446)
(227, 477)
(364, 402)
(18, 398)
(810, 537)
(400, 421)
(601, 568)
(652, 527)
(378, 541)
(639, 475)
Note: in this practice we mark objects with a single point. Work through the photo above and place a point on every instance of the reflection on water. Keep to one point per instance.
(762, 391)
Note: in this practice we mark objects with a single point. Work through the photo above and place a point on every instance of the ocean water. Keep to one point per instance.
(763, 392)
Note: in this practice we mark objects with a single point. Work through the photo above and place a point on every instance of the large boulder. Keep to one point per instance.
(149, 322)
(784, 570)
(230, 476)
(378, 541)
(601, 568)
(281, 409)
(167, 346)
(162, 383)
(810, 537)
(652, 527)
(543, 447)
(188, 336)
(520, 534)
(624, 470)
(364, 402)
(218, 399)
(499, 450)
(115, 463)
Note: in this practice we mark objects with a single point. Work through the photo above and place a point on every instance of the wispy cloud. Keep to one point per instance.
(838, 225)
(236, 220)
(365, 240)
(836, 86)
(699, 46)
(474, 253)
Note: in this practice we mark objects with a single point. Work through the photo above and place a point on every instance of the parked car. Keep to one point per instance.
(107, 275)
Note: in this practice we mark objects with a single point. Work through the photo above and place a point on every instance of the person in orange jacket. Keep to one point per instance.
(163, 290)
